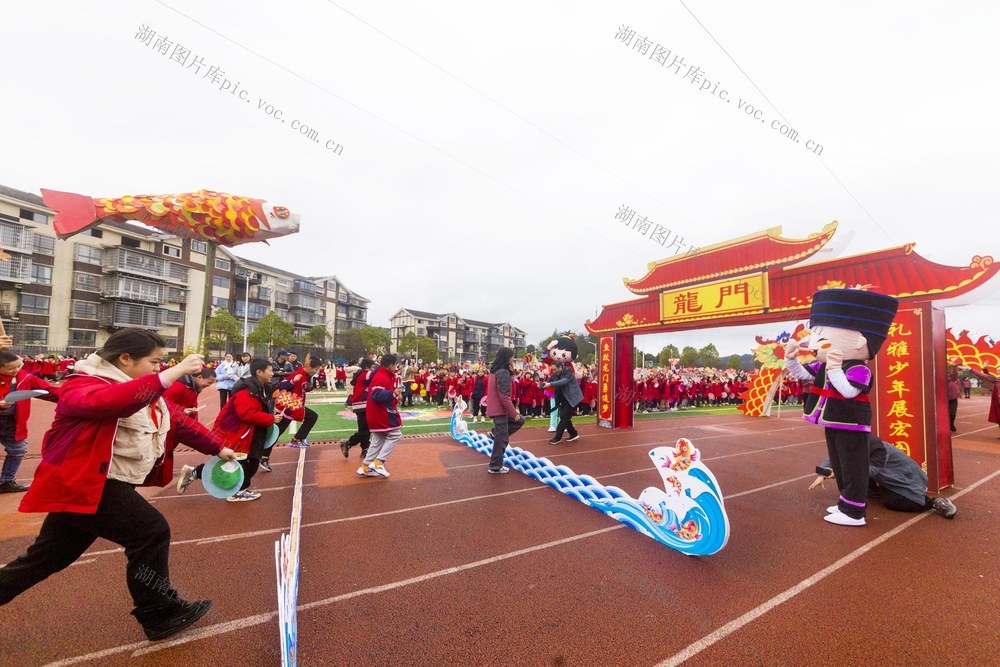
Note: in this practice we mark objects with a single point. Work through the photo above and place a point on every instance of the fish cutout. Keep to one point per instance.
(687, 514)
(216, 217)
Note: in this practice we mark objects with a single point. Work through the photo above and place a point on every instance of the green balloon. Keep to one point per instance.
(224, 479)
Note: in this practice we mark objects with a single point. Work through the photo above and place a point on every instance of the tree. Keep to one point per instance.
(221, 330)
(349, 345)
(427, 349)
(530, 349)
(375, 340)
(272, 332)
(408, 344)
(735, 362)
(667, 353)
(689, 357)
(545, 342)
(709, 356)
(317, 336)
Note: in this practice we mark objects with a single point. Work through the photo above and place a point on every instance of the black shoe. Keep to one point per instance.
(502, 471)
(185, 615)
(575, 437)
(954, 430)
(364, 453)
(12, 487)
(554, 441)
(265, 465)
(345, 449)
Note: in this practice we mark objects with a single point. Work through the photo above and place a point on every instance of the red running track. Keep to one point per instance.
(444, 564)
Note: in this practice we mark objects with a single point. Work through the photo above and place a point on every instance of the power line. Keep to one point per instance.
(400, 129)
(513, 113)
(782, 116)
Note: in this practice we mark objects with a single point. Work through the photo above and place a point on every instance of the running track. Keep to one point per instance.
(444, 564)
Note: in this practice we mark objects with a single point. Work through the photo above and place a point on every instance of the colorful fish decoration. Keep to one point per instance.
(219, 218)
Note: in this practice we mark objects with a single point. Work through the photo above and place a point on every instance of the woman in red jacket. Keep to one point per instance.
(14, 416)
(108, 432)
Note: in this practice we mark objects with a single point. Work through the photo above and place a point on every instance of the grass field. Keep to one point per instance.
(333, 425)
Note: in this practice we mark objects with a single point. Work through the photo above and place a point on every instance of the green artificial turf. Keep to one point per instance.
(332, 426)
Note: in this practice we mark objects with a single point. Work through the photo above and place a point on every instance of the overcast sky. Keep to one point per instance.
(486, 148)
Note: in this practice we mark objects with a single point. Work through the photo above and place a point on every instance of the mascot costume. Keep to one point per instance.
(847, 328)
(562, 349)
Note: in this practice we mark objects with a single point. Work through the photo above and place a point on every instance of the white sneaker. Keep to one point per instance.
(187, 476)
(378, 467)
(831, 509)
(552, 429)
(243, 496)
(365, 471)
(842, 519)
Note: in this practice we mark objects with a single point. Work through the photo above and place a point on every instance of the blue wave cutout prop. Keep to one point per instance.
(687, 514)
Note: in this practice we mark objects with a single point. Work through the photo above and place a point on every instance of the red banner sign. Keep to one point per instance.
(605, 389)
(899, 372)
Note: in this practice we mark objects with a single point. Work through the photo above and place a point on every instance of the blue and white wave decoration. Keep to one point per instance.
(687, 514)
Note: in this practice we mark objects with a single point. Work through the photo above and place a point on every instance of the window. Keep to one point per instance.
(86, 281)
(83, 310)
(199, 246)
(82, 338)
(41, 274)
(172, 251)
(283, 284)
(35, 304)
(219, 302)
(32, 215)
(36, 335)
(45, 245)
(264, 293)
(95, 232)
(88, 254)
(171, 342)
(223, 264)
(129, 242)
(220, 281)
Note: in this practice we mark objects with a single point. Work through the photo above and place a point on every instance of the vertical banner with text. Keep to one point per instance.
(900, 407)
(605, 389)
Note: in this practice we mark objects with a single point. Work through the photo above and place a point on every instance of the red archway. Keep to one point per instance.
(752, 280)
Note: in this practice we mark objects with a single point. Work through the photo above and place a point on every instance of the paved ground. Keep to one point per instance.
(444, 564)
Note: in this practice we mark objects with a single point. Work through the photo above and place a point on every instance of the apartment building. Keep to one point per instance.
(458, 338)
(68, 296)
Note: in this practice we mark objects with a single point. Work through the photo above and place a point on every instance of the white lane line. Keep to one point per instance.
(721, 633)
(142, 648)
(632, 446)
(769, 486)
(244, 623)
(196, 495)
(985, 428)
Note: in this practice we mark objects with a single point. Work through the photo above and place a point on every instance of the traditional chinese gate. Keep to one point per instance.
(752, 280)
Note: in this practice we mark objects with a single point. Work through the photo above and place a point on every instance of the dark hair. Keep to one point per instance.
(245, 354)
(366, 363)
(502, 362)
(205, 373)
(136, 343)
(313, 362)
(387, 360)
(258, 365)
(6, 357)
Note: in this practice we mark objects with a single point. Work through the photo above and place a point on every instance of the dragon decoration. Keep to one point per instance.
(770, 354)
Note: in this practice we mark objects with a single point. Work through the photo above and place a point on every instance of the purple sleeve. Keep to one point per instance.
(859, 376)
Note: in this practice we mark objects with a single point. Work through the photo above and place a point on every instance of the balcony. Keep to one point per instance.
(256, 311)
(16, 270)
(296, 300)
(177, 295)
(121, 314)
(17, 238)
(174, 317)
(310, 319)
(133, 289)
(281, 298)
(126, 260)
(306, 287)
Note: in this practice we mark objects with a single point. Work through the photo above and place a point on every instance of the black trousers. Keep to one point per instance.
(363, 436)
(968, 391)
(476, 408)
(897, 503)
(503, 428)
(565, 421)
(224, 395)
(123, 517)
(952, 411)
(307, 423)
(848, 452)
(407, 396)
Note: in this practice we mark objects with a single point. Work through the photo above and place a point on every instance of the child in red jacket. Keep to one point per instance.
(108, 432)
(14, 416)
(383, 418)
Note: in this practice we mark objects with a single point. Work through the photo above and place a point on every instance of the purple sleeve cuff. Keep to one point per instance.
(860, 376)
